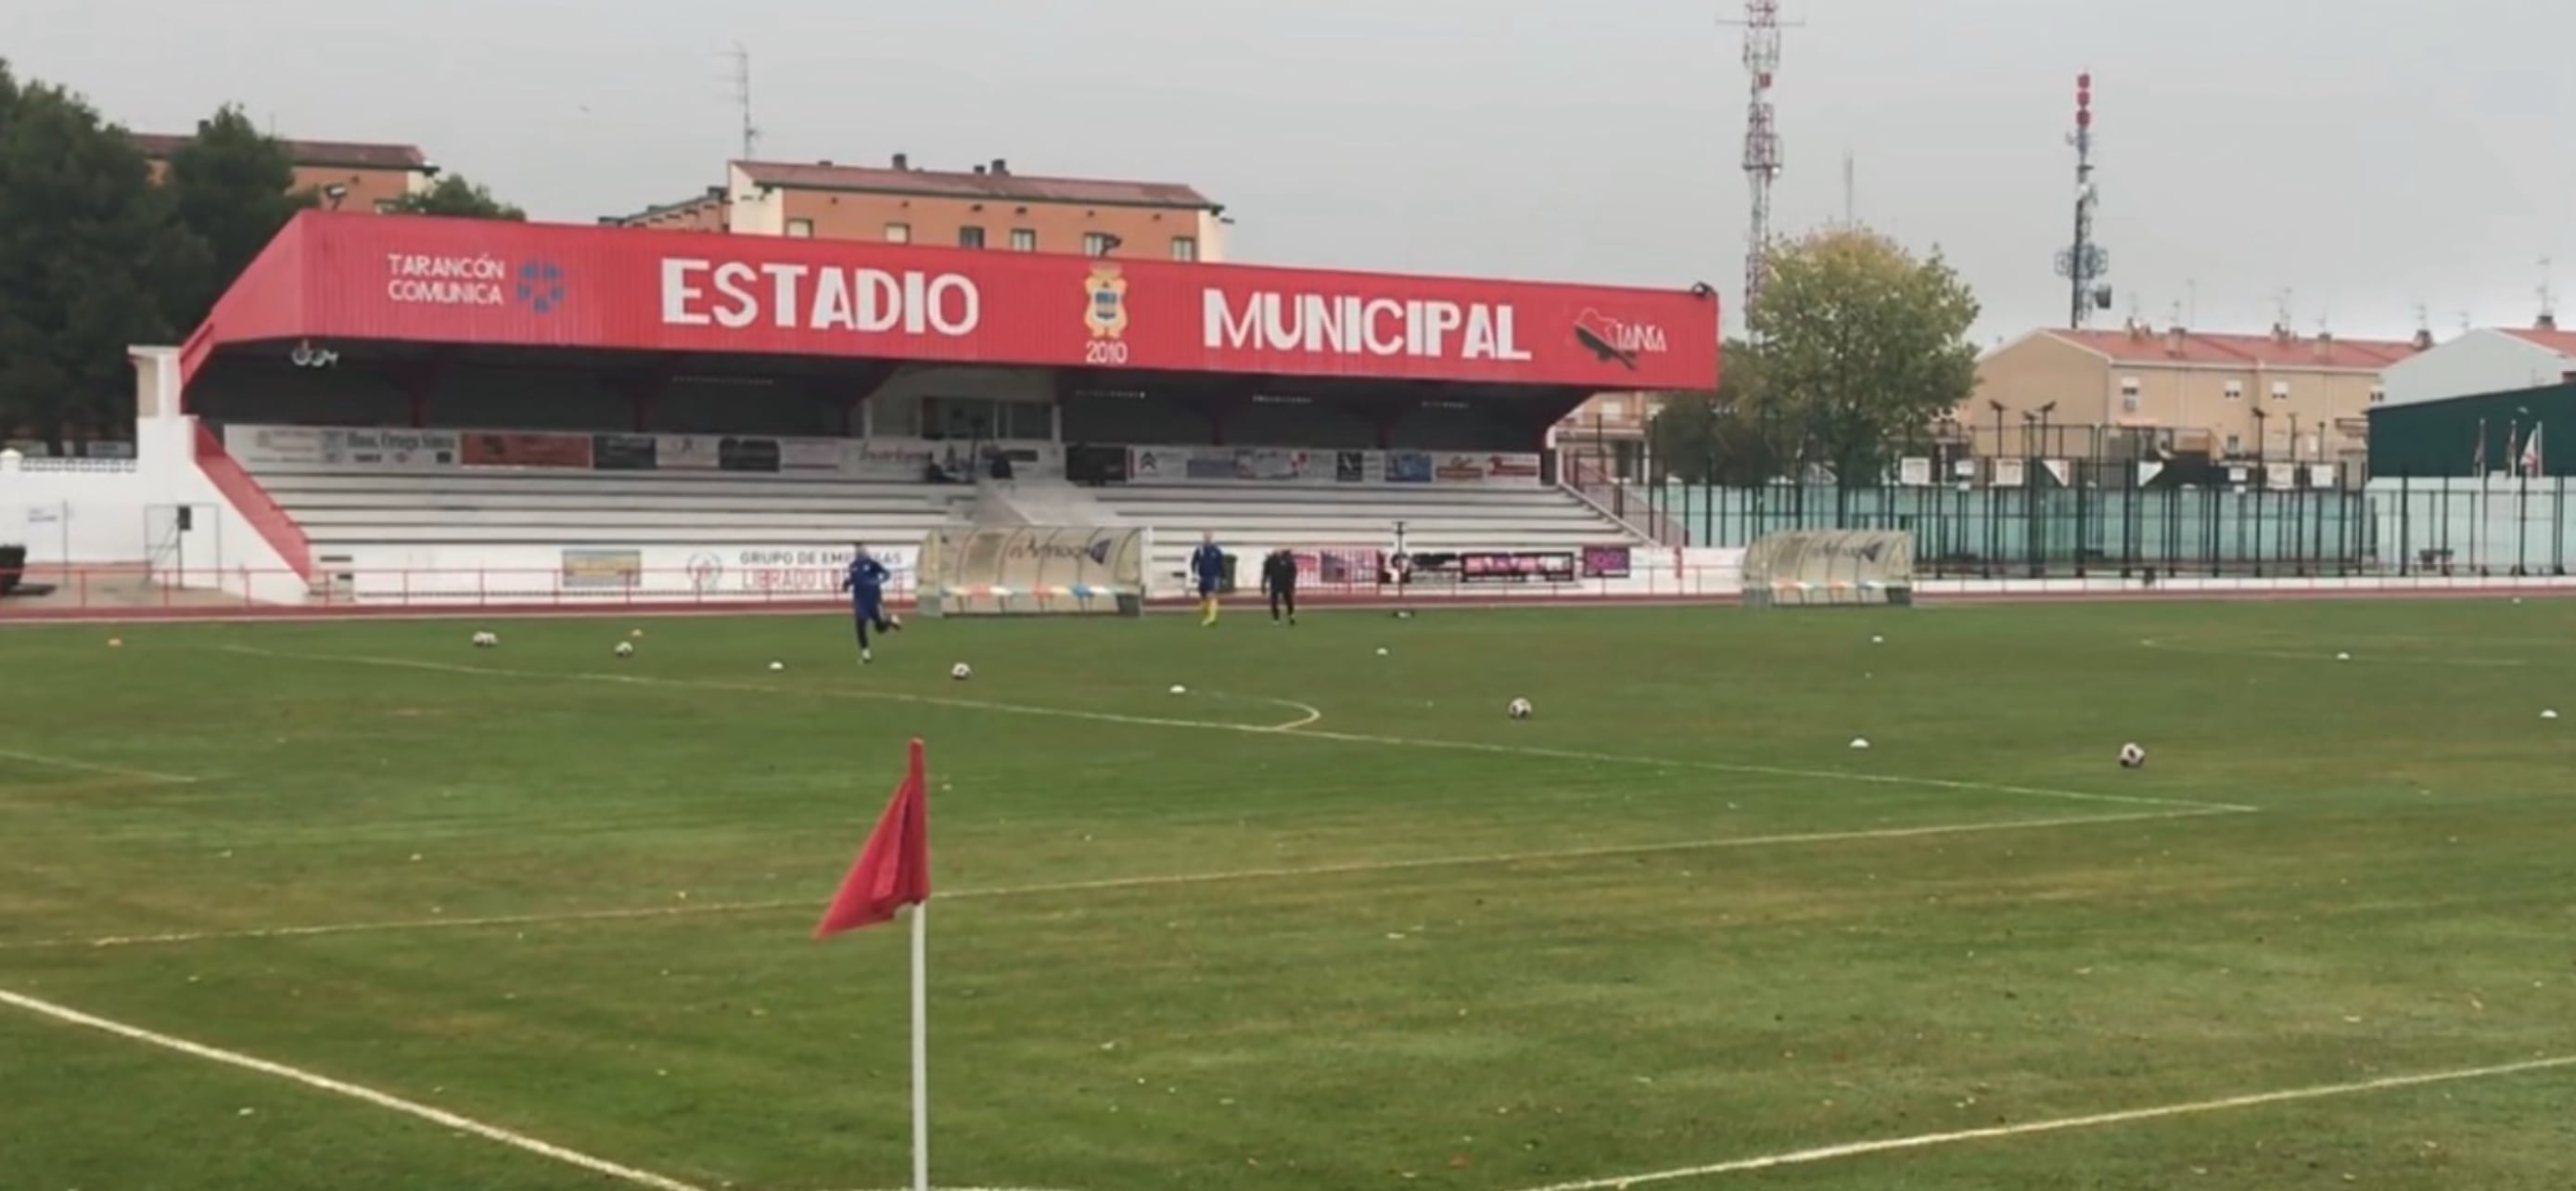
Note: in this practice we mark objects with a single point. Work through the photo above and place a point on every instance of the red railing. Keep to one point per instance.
(105, 592)
(265, 515)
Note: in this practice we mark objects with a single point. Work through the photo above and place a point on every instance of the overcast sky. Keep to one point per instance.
(2369, 156)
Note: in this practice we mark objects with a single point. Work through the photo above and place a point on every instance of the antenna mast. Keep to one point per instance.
(2084, 263)
(1761, 140)
(742, 101)
(2548, 298)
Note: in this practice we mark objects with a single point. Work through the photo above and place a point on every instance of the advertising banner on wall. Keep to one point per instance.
(895, 460)
(304, 446)
(1408, 467)
(688, 452)
(1519, 566)
(1171, 465)
(808, 572)
(1278, 466)
(597, 570)
(275, 446)
(747, 454)
(1606, 562)
(512, 449)
(624, 452)
(811, 455)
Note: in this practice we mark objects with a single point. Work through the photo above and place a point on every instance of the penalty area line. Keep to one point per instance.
(1108, 884)
(410, 1108)
(1298, 729)
(2058, 1125)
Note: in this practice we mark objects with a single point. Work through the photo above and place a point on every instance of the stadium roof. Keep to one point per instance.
(339, 278)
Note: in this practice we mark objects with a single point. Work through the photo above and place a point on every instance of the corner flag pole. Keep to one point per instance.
(921, 1046)
(891, 873)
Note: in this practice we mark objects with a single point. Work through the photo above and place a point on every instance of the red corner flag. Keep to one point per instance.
(893, 869)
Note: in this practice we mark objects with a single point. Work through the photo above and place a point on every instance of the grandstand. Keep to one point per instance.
(347, 510)
(669, 416)
(519, 518)
(1251, 521)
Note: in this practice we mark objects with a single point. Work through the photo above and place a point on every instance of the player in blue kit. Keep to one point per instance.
(1207, 572)
(865, 581)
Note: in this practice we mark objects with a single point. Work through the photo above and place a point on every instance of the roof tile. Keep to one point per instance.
(1023, 187)
(2562, 342)
(355, 154)
(2151, 347)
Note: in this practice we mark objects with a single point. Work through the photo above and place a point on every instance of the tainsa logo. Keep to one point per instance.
(425, 279)
(1613, 340)
(792, 295)
(1097, 552)
(1349, 325)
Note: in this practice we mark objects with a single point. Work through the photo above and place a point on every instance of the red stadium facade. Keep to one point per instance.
(345, 279)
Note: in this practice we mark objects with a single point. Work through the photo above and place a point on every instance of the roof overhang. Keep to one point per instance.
(334, 277)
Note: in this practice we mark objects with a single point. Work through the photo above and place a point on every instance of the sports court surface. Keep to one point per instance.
(305, 907)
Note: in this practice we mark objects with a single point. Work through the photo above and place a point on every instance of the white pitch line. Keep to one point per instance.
(145, 775)
(1115, 883)
(436, 1116)
(2061, 1124)
(2283, 655)
(1297, 730)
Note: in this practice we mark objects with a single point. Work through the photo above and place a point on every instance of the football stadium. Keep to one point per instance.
(456, 797)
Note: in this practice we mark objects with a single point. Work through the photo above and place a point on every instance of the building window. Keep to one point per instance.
(970, 236)
(2235, 445)
(2378, 395)
(1185, 248)
(1098, 243)
(2129, 401)
(1024, 239)
(2280, 390)
(898, 233)
(802, 229)
(2236, 390)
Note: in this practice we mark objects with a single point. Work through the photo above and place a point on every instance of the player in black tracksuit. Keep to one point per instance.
(1279, 581)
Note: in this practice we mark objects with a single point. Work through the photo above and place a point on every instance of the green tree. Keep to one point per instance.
(230, 185)
(1863, 345)
(456, 198)
(1732, 436)
(89, 252)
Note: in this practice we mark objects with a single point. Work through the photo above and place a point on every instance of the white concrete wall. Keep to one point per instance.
(94, 513)
(2482, 361)
(748, 211)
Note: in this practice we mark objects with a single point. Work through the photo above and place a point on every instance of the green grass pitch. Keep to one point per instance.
(1329, 921)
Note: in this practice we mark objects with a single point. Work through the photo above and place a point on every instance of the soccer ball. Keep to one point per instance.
(626, 649)
(486, 640)
(2131, 756)
(1518, 709)
(961, 671)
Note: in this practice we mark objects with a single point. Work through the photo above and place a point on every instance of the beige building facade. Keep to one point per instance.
(988, 206)
(2274, 396)
(346, 175)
